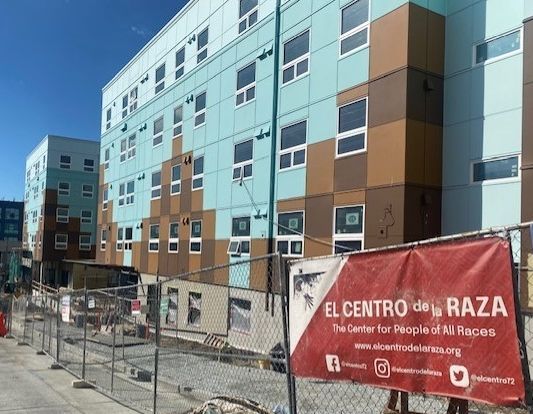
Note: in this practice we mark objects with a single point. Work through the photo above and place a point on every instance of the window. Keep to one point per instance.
(87, 190)
(178, 120)
(175, 185)
(126, 193)
(194, 313)
(133, 99)
(120, 238)
(173, 238)
(123, 149)
(11, 213)
(64, 162)
(296, 57)
(348, 232)
(203, 39)
(153, 245)
(108, 119)
(160, 78)
(107, 156)
(88, 165)
(497, 47)
(245, 85)
(124, 238)
(156, 185)
(247, 14)
(180, 62)
(103, 239)
(293, 145)
(290, 239)
(242, 160)
(132, 150)
(86, 217)
(63, 189)
(352, 128)
(85, 242)
(61, 242)
(495, 169)
(62, 215)
(239, 243)
(198, 173)
(158, 132)
(105, 199)
(124, 106)
(199, 113)
(195, 245)
(240, 315)
(354, 27)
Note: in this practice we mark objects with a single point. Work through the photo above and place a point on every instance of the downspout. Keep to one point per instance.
(273, 135)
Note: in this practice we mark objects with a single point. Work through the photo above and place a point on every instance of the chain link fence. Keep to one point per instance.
(169, 347)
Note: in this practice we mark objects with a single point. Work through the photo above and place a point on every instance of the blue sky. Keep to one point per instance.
(55, 57)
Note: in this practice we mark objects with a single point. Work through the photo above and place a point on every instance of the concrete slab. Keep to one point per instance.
(29, 385)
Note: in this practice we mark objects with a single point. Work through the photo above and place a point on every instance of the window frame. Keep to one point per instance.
(85, 247)
(160, 85)
(131, 150)
(120, 240)
(355, 30)
(107, 158)
(201, 112)
(240, 239)
(123, 150)
(291, 237)
(347, 134)
(108, 119)
(88, 168)
(173, 240)
(103, 239)
(348, 236)
(295, 62)
(231, 300)
(195, 239)
(153, 241)
(241, 165)
(133, 99)
(499, 57)
(198, 296)
(62, 218)
(175, 182)
(63, 165)
(84, 193)
(125, 100)
(198, 176)
(496, 180)
(246, 17)
(293, 150)
(105, 199)
(181, 66)
(61, 245)
(200, 50)
(86, 220)
(244, 90)
(177, 125)
(59, 190)
(157, 188)
(156, 136)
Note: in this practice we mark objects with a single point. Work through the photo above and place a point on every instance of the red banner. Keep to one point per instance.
(436, 319)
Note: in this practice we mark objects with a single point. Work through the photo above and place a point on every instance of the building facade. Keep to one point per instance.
(11, 221)
(244, 124)
(61, 194)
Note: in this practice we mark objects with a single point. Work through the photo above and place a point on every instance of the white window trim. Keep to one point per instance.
(65, 165)
(59, 190)
(125, 108)
(200, 112)
(129, 197)
(105, 201)
(197, 176)
(243, 164)
(518, 178)
(128, 243)
(83, 192)
(195, 239)
(133, 103)
(353, 31)
(245, 88)
(500, 57)
(62, 218)
(178, 124)
(156, 187)
(159, 134)
(123, 153)
(172, 240)
(199, 51)
(85, 246)
(352, 132)
(162, 81)
(103, 243)
(297, 60)
(153, 241)
(175, 182)
(246, 17)
(240, 239)
(107, 157)
(294, 149)
(292, 237)
(82, 218)
(120, 241)
(182, 65)
(88, 168)
(122, 197)
(348, 236)
(131, 150)
(61, 245)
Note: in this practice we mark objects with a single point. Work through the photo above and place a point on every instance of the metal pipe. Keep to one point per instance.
(85, 333)
(114, 342)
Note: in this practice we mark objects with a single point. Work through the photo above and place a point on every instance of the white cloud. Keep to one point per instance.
(140, 31)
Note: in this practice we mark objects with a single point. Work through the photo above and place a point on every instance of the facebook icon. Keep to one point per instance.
(333, 363)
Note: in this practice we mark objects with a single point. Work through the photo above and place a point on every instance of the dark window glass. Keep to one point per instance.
(160, 73)
(354, 15)
(346, 246)
(497, 47)
(180, 57)
(349, 220)
(176, 173)
(178, 115)
(198, 167)
(246, 6)
(156, 179)
(203, 38)
(158, 125)
(243, 151)
(294, 135)
(296, 47)
(354, 41)
(497, 169)
(246, 76)
(201, 101)
(154, 231)
(240, 227)
(290, 223)
(196, 229)
(352, 116)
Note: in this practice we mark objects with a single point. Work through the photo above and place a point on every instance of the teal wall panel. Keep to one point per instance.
(353, 69)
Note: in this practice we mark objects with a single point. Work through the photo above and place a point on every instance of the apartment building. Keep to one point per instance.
(244, 123)
(11, 214)
(61, 195)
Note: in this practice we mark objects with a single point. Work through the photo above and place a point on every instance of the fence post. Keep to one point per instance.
(114, 342)
(58, 325)
(24, 320)
(85, 333)
(10, 318)
(43, 311)
(157, 342)
(32, 321)
(51, 308)
(291, 386)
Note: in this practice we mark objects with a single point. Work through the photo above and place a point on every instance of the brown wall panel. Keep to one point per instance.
(221, 252)
(153, 262)
(350, 172)
(318, 216)
(183, 256)
(349, 198)
(197, 200)
(208, 224)
(422, 213)
(320, 167)
(259, 247)
(136, 255)
(186, 166)
(384, 213)
(208, 253)
(423, 160)
(313, 248)
(175, 207)
(388, 42)
(387, 99)
(177, 146)
(386, 154)
(195, 262)
(352, 94)
(425, 97)
(527, 123)
(155, 208)
(294, 204)
(185, 197)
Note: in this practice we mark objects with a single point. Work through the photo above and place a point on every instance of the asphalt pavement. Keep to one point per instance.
(28, 385)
